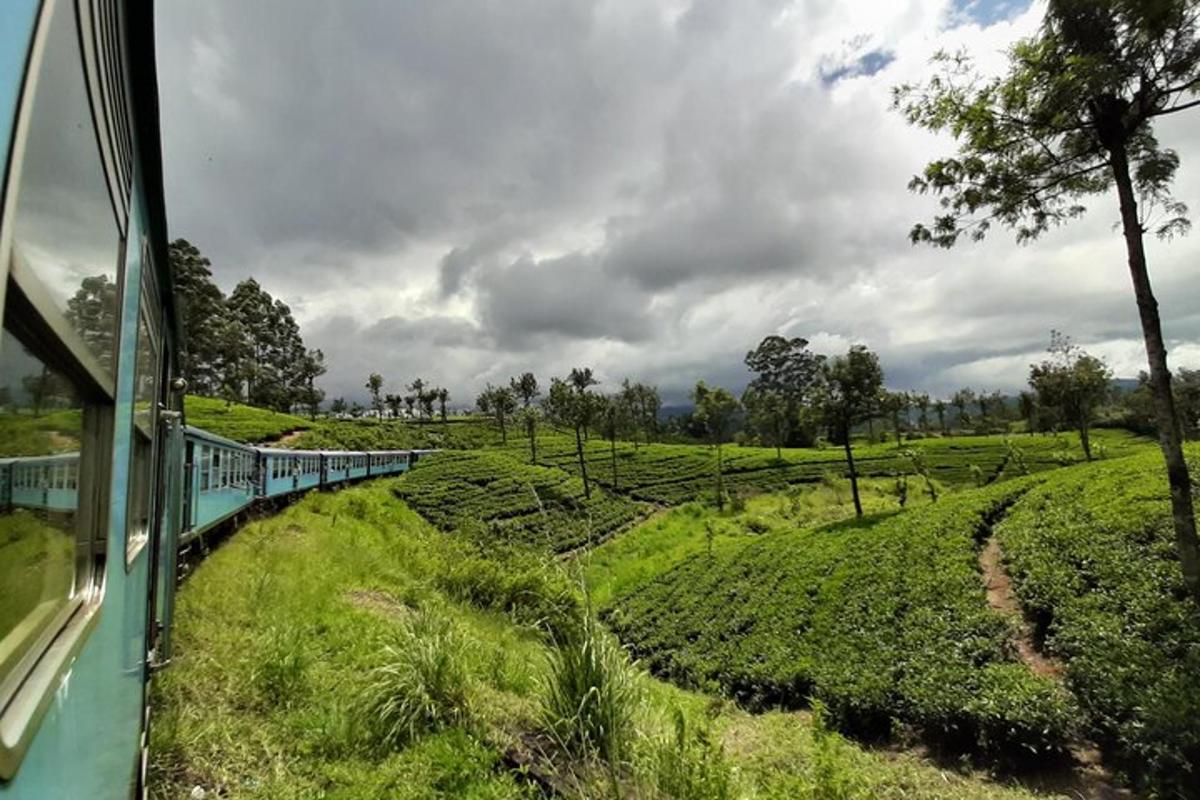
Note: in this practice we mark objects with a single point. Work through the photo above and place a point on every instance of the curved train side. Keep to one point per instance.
(221, 477)
(101, 481)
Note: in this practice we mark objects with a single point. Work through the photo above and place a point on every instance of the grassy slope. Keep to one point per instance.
(1092, 552)
(277, 631)
(239, 422)
(23, 434)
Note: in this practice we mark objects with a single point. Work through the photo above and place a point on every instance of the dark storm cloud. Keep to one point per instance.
(463, 191)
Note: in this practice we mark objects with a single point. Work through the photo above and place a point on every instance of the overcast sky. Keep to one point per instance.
(462, 191)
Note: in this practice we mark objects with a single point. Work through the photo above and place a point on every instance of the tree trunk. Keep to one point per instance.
(587, 490)
(896, 427)
(531, 429)
(503, 430)
(1084, 441)
(853, 474)
(1160, 380)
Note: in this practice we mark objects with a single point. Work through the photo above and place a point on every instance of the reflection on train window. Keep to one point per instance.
(41, 424)
(145, 416)
(64, 225)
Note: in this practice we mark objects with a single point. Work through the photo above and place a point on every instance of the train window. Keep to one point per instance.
(147, 357)
(204, 466)
(42, 565)
(66, 238)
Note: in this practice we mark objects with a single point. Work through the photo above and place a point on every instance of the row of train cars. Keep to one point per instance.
(222, 478)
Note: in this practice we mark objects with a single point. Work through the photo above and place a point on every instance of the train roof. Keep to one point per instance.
(200, 433)
(283, 451)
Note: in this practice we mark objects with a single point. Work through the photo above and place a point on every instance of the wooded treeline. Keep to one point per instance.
(242, 347)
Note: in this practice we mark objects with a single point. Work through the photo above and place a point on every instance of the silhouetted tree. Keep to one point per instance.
(848, 396)
(715, 409)
(1074, 382)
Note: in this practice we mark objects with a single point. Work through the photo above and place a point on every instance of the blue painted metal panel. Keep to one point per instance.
(17, 20)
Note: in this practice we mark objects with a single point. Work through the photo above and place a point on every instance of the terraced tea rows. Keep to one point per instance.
(880, 621)
(670, 474)
(539, 506)
(1092, 554)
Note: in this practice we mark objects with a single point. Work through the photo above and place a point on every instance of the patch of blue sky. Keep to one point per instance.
(867, 64)
(986, 12)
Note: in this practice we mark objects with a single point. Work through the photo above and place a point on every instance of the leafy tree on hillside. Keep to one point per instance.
(1074, 382)
(1187, 393)
(785, 370)
(894, 404)
(921, 401)
(1027, 403)
(394, 403)
(338, 406)
(374, 386)
(500, 403)
(203, 312)
(961, 399)
(311, 367)
(443, 397)
(1074, 117)
(571, 404)
(716, 409)
(92, 312)
(848, 396)
(939, 406)
(614, 421)
(526, 387)
(768, 414)
(644, 403)
(410, 404)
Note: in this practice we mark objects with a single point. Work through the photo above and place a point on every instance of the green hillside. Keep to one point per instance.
(238, 422)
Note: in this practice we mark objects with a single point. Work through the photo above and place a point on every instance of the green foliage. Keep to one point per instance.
(423, 685)
(881, 620)
(501, 499)
(591, 693)
(23, 434)
(1092, 553)
(239, 422)
(691, 765)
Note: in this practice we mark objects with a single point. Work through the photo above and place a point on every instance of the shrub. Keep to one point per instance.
(690, 766)
(423, 686)
(591, 693)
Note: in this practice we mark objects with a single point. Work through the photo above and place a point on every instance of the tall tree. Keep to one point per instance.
(769, 414)
(848, 396)
(1187, 393)
(921, 401)
(1074, 117)
(394, 403)
(961, 399)
(1074, 382)
(374, 387)
(1027, 404)
(614, 421)
(92, 312)
(571, 403)
(417, 388)
(939, 406)
(311, 367)
(526, 387)
(500, 403)
(785, 369)
(203, 312)
(716, 410)
(894, 404)
(443, 397)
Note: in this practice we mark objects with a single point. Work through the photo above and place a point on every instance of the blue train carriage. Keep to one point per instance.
(88, 350)
(389, 462)
(287, 471)
(340, 466)
(221, 480)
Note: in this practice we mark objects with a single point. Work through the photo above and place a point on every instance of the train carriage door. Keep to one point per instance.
(166, 537)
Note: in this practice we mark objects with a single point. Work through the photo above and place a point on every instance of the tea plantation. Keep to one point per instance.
(1092, 553)
(883, 619)
(505, 500)
(238, 422)
(670, 474)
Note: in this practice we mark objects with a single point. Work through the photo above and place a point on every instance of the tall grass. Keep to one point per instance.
(423, 686)
(591, 693)
(690, 765)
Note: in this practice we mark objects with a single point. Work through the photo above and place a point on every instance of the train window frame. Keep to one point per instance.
(144, 441)
(32, 315)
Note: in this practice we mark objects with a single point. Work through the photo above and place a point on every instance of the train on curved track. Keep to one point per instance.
(101, 480)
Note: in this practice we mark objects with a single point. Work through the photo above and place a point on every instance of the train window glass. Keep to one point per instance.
(145, 416)
(204, 463)
(65, 227)
(41, 564)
